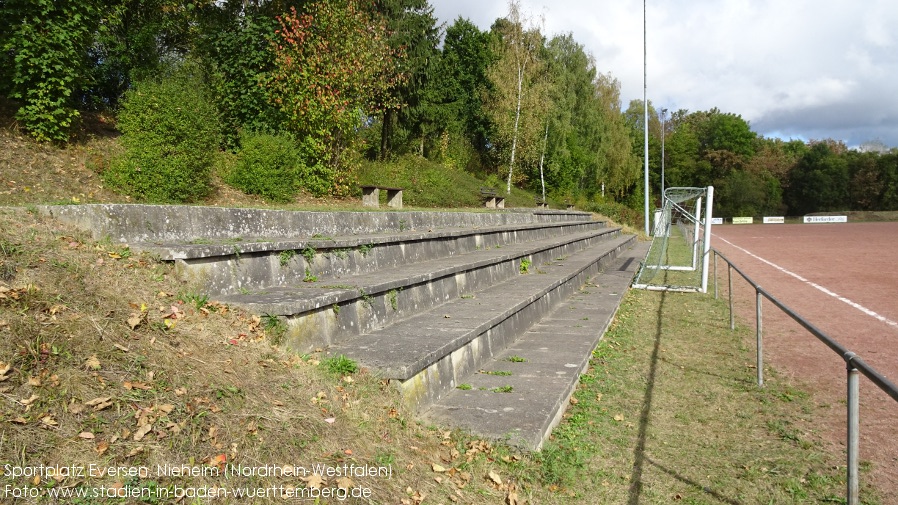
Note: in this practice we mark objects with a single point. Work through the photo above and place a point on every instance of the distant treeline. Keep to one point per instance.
(302, 91)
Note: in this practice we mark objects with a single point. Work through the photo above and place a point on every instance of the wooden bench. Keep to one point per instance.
(371, 196)
(569, 204)
(491, 198)
(541, 204)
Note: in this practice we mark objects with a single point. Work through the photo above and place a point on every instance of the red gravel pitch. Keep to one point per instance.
(857, 262)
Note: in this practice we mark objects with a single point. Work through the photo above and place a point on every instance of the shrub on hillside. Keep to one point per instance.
(276, 167)
(170, 137)
(268, 166)
(617, 212)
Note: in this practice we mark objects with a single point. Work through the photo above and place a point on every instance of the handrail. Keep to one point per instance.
(854, 365)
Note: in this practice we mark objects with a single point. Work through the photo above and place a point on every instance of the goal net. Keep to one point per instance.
(681, 242)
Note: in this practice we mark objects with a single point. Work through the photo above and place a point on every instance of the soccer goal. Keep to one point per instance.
(681, 242)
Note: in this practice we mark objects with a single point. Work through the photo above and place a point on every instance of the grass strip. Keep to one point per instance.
(669, 411)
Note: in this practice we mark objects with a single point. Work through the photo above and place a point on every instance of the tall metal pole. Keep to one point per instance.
(663, 134)
(645, 104)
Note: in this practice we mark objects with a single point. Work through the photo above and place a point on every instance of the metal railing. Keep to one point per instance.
(853, 363)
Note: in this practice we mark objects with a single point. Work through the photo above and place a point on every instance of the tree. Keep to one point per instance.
(867, 183)
(334, 71)
(414, 36)
(236, 47)
(45, 45)
(517, 89)
(136, 39)
(458, 90)
(818, 182)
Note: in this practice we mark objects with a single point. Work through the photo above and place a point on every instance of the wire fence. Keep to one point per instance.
(855, 366)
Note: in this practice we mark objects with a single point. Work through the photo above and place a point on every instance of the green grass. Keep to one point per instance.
(429, 184)
(668, 412)
(340, 365)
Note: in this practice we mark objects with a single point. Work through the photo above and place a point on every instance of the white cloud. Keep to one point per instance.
(801, 68)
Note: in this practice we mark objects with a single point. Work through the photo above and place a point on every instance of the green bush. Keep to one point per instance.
(170, 137)
(618, 212)
(268, 166)
(275, 167)
(41, 51)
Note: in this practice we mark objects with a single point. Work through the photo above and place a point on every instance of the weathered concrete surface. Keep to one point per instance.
(557, 350)
(226, 269)
(438, 299)
(380, 298)
(431, 351)
(128, 223)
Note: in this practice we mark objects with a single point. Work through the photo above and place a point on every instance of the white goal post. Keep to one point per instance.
(680, 252)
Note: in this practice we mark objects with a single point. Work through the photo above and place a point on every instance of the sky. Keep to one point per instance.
(794, 69)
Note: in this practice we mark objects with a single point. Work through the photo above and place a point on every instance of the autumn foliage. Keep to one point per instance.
(333, 73)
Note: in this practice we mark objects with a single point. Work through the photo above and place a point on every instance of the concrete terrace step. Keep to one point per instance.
(428, 353)
(227, 266)
(127, 223)
(430, 300)
(321, 314)
(554, 351)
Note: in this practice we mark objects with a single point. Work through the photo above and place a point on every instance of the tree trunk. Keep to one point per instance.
(517, 118)
(542, 157)
(385, 132)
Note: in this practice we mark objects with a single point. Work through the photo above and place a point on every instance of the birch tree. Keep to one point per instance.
(514, 104)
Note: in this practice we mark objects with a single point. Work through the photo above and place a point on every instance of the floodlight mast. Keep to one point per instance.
(663, 134)
(645, 122)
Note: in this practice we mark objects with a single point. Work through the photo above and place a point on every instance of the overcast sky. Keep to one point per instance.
(802, 69)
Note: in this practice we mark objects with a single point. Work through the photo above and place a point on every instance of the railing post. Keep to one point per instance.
(853, 431)
(716, 294)
(760, 341)
(730, 279)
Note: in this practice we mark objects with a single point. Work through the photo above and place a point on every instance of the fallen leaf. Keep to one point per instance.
(619, 417)
(86, 435)
(34, 381)
(100, 403)
(29, 401)
(20, 420)
(135, 320)
(512, 497)
(49, 422)
(135, 451)
(314, 481)
(101, 447)
(92, 363)
(218, 460)
(4, 371)
(495, 478)
(345, 483)
(438, 468)
(142, 432)
(330, 420)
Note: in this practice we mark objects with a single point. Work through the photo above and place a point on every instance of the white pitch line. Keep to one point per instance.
(858, 306)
